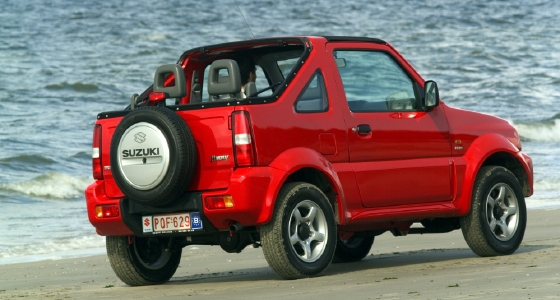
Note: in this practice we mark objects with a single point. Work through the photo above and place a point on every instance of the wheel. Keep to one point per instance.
(143, 262)
(498, 217)
(353, 249)
(153, 155)
(301, 238)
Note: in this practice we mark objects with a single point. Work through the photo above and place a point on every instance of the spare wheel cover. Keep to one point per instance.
(153, 155)
(143, 156)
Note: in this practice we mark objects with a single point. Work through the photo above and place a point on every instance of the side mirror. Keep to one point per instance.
(431, 95)
(178, 90)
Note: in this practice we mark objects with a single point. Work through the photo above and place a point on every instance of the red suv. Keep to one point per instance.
(338, 140)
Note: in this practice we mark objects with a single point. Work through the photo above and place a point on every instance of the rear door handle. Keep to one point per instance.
(364, 129)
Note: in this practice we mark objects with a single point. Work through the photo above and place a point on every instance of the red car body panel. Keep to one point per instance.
(96, 195)
(412, 166)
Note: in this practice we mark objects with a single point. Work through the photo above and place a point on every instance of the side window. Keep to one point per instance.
(313, 98)
(206, 96)
(287, 65)
(262, 82)
(373, 81)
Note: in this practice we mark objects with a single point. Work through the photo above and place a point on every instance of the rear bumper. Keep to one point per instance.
(96, 195)
(253, 191)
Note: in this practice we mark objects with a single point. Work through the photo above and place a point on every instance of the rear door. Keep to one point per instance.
(399, 153)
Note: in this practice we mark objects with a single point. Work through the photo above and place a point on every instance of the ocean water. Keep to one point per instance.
(62, 62)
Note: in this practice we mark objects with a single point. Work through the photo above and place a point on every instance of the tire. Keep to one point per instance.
(301, 238)
(141, 263)
(498, 217)
(153, 156)
(353, 249)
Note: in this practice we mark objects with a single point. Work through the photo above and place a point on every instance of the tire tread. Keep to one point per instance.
(129, 270)
(343, 254)
(471, 224)
(183, 166)
(274, 250)
(121, 263)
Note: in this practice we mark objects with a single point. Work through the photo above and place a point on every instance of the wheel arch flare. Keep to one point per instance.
(306, 165)
(492, 149)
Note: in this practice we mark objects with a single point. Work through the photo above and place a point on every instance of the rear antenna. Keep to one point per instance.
(244, 19)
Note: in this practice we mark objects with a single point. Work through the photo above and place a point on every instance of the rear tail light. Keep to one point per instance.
(107, 211)
(96, 153)
(243, 142)
(219, 202)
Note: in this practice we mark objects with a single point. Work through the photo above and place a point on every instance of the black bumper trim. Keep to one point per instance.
(133, 212)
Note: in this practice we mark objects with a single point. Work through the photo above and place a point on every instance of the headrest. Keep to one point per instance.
(228, 84)
(178, 90)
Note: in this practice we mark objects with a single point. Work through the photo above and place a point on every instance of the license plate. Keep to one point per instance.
(172, 222)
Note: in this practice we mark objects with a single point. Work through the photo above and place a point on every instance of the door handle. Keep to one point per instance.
(364, 129)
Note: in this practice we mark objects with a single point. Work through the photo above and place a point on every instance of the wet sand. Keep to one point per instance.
(433, 266)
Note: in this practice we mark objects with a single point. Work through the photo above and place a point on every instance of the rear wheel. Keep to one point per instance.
(142, 262)
(301, 238)
(353, 249)
(498, 217)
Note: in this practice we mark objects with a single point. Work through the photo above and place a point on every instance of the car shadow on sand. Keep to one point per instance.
(431, 258)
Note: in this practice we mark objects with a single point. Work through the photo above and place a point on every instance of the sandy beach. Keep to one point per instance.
(436, 266)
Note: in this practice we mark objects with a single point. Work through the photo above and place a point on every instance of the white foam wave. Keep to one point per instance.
(52, 185)
(55, 249)
(546, 194)
(542, 204)
(552, 184)
(156, 37)
(542, 132)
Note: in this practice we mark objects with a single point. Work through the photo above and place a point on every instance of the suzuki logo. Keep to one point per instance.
(147, 222)
(140, 137)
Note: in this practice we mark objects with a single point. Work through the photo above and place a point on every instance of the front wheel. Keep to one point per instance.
(301, 238)
(498, 217)
(142, 262)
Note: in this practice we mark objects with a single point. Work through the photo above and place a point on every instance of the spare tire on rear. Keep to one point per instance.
(153, 155)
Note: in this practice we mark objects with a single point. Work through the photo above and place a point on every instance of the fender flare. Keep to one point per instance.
(294, 159)
(479, 151)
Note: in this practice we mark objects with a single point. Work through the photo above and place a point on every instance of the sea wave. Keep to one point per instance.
(26, 159)
(547, 184)
(546, 194)
(52, 185)
(78, 86)
(54, 249)
(546, 131)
